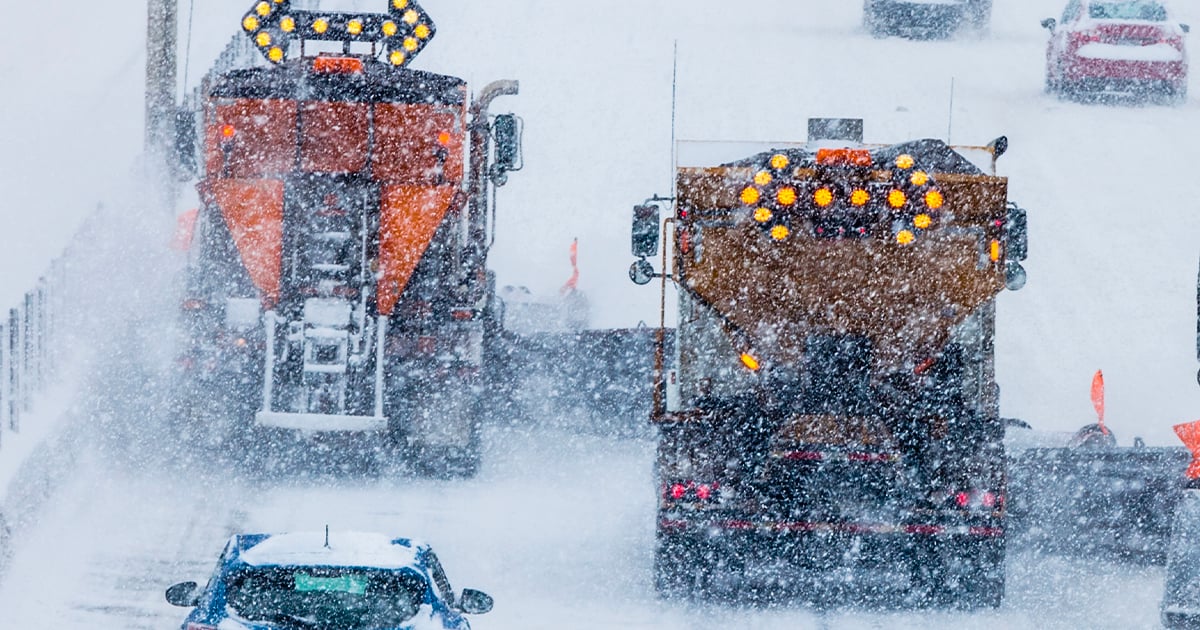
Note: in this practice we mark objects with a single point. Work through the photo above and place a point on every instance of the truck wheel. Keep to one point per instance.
(681, 568)
(447, 462)
(975, 574)
(672, 579)
(873, 23)
(6, 545)
(980, 13)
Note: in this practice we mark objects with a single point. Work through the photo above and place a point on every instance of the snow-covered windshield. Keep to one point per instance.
(1129, 10)
(325, 597)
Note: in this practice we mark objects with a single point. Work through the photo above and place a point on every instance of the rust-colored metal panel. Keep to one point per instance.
(418, 143)
(249, 138)
(409, 218)
(253, 211)
(775, 293)
(335, 136)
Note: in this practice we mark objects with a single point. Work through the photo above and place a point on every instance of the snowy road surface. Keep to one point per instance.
(558, 528)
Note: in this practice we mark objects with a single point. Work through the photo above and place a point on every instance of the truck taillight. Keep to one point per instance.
(691, 491)
(977, 500)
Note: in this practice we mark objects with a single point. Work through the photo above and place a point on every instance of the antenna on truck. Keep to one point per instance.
(950, 115)
(674, 86)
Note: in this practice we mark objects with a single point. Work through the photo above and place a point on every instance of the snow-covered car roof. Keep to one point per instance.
(344, 549)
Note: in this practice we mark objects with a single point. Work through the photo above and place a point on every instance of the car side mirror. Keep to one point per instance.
(1049, 24)
(183, 594)
(645, 230)
(506, 129)
(1185, 28)
(475, 602)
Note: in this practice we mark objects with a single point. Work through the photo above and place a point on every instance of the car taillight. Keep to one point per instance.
(1082, 38)
(1174, 41)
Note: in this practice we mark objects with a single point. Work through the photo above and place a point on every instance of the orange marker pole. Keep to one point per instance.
(1189, 434)
(1098, 398)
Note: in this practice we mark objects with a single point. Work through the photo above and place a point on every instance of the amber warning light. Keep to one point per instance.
(402, 32)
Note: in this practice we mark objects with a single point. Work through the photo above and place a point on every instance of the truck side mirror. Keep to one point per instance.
(641, 272)
(1014, 276)
(999, 146)
(1017, 228)
(645, 230)
(1049, 24)
(507, 131)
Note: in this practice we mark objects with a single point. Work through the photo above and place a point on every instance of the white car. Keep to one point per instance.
(924, 18)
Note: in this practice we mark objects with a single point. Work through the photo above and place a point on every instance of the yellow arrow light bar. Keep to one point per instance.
(404, 30)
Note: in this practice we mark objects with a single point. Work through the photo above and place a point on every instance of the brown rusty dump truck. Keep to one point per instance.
(828, 417)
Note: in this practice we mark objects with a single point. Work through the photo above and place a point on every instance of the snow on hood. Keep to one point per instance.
(346, 549)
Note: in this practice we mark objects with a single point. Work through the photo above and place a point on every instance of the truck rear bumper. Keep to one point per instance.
(774, 528)
(900, 565)
(320, 423)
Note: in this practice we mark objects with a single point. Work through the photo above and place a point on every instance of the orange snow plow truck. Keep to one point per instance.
(338, 282)
(828, 416)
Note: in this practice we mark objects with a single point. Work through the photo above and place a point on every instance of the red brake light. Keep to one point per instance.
(678, 490)
(703, 492)
(962, 499)
(989, 499)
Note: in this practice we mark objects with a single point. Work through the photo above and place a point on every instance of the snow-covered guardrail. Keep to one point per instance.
(29, 346)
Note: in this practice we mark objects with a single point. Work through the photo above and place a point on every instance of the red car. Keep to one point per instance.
(1126, 46)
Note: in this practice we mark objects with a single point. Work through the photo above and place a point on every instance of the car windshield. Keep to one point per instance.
(328, 598)
(1129, 10)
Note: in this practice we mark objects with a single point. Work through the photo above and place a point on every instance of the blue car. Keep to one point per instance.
(326, 581)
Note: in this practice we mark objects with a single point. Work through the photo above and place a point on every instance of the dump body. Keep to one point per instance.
(338, 284)
(833, 385)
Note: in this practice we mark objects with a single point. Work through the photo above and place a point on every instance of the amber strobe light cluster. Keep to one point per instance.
(837, 194)
(403, 31)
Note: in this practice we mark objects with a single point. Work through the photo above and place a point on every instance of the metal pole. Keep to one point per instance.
(161, 32)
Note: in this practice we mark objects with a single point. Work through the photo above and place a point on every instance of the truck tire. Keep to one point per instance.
(874, 23)
(979, 14)
(449, 462)
(683, 568)
(975, 576)
(6, 545)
